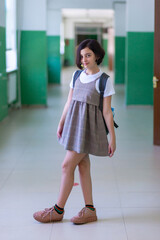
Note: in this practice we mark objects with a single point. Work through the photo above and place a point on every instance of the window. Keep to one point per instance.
(11, 48)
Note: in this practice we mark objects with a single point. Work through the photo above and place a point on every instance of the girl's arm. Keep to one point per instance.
(65, 110)
(108, 116)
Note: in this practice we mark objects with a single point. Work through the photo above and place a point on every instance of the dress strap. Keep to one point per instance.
(76, 75)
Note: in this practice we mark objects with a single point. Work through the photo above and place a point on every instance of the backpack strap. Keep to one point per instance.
(76, 75)
(102, 84)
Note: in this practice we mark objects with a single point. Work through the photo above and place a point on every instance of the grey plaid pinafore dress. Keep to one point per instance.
(84, 130)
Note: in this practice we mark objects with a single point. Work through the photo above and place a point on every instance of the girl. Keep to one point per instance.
(82, 132)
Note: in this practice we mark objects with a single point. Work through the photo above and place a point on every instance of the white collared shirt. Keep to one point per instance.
(86, 78)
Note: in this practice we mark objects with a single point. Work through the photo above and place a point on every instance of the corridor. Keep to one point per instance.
(126, 188)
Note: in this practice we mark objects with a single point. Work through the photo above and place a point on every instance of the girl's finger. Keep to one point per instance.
(109, 150)
(58, 135)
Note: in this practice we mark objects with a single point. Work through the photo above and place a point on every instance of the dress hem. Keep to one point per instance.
(87, 152)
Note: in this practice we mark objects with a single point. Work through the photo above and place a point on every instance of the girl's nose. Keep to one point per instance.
(84, 59)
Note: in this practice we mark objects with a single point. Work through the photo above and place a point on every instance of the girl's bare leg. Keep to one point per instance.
(85, 179)
(71, 160)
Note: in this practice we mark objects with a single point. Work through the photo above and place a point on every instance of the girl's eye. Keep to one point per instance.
(88, 55)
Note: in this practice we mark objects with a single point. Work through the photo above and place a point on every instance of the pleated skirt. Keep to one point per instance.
(84, 130)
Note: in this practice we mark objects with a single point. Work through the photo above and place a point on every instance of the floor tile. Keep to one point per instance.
(142, 223)
(140, 199)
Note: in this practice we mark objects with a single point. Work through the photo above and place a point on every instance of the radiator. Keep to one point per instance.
(12, 87)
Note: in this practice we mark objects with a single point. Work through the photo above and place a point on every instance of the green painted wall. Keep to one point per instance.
(139, 67)
(53, 59)
(69, 55)
(3, 98)
(33, 67)
(3, 76)
(2, 50)
(105, 47)
(119, 60)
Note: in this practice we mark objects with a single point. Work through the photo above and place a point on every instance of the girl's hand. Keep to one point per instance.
(59, 130)
(111, 148)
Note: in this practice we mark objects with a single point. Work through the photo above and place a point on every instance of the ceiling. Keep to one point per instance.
(87, 13)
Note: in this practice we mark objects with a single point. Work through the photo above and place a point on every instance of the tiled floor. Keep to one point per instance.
(126, 188)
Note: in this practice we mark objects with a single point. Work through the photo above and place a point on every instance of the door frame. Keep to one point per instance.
(156, 126)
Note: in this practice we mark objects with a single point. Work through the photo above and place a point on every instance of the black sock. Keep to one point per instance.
(91, 207)
(58, 209)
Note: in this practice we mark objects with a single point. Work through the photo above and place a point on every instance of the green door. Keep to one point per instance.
(81, 37)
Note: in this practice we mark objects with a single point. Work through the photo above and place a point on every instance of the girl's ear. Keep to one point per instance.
(97, 59)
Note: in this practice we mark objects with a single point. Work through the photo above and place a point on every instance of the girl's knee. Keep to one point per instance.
(71, 161)
(84, 166)
(67, 166)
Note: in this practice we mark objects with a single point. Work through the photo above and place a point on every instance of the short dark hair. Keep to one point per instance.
(93, 45)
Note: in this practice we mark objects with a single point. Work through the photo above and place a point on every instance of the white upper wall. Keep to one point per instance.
(69, 30)
(2, 13)
(140, 16)
(33, 15)
(120, 19)
(96, 4)
(53, 22)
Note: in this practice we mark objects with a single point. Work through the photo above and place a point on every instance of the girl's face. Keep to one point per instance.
(88, 58)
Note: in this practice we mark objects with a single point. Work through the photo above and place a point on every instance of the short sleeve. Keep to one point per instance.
(109, 89)
(71, 82)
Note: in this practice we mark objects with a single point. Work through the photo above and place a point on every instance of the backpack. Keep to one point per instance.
(102, 84)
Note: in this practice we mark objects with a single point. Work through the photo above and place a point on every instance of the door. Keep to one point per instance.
(81, 37)
(156, 78)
